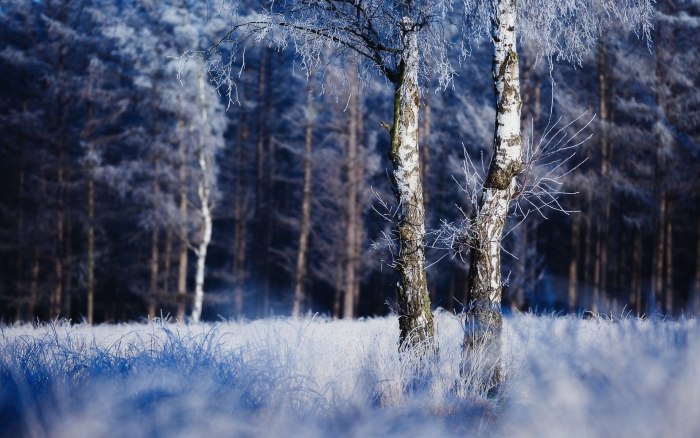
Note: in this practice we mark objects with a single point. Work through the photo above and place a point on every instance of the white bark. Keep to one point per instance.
(204, 194)
(483, 320)
(415, 316)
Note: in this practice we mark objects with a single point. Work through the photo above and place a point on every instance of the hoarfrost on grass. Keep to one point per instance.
(317, 377)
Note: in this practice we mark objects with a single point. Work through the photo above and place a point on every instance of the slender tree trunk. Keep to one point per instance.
(359, 182)
(351, 210)
(264, 187)
(57, 295)
(635, 282)
(587, 247)
(269, 228)
(573, 262)
(241, 220)
(601, 260)
(659, 181)
(338, 291)
(90, 236)
(483, 320)
(696, 288)
(305, 223)
(167, 259)
(415, 317)
(621, 262)
(68, 269)
(204, 187)
(153, 286)
(668, 286)
(33, 283)
(20, 284)
(182, 252)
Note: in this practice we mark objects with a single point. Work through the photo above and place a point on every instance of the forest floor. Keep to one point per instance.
(316, 377)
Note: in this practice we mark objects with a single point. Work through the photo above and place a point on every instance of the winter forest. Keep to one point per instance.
(349, 218)
(134, 178)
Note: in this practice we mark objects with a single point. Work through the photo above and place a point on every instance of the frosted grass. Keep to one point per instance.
(317, 377)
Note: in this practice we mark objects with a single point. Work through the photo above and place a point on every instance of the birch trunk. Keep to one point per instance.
(415, 316)
(305, 225)
(483, 321)
(204, 187)
(425, 133)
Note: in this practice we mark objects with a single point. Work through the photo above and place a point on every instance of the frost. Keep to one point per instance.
(565, 376)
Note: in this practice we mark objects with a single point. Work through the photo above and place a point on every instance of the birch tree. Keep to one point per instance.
(402, 41)
(559, 29)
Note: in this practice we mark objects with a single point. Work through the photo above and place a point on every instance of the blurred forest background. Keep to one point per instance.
(114, 150)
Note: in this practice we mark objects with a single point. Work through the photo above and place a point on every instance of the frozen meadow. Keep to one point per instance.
(316, 377)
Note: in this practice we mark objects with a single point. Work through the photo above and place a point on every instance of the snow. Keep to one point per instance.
(318, 377)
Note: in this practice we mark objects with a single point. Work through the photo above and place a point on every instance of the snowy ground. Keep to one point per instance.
(316, 377)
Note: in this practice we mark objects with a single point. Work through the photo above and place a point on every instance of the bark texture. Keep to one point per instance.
(204, 188)
(415, 316)
(483, 320)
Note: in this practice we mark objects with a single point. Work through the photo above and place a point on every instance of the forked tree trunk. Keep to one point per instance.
(305, 223)
(483, 321)
(204, 187)
(415, 317)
